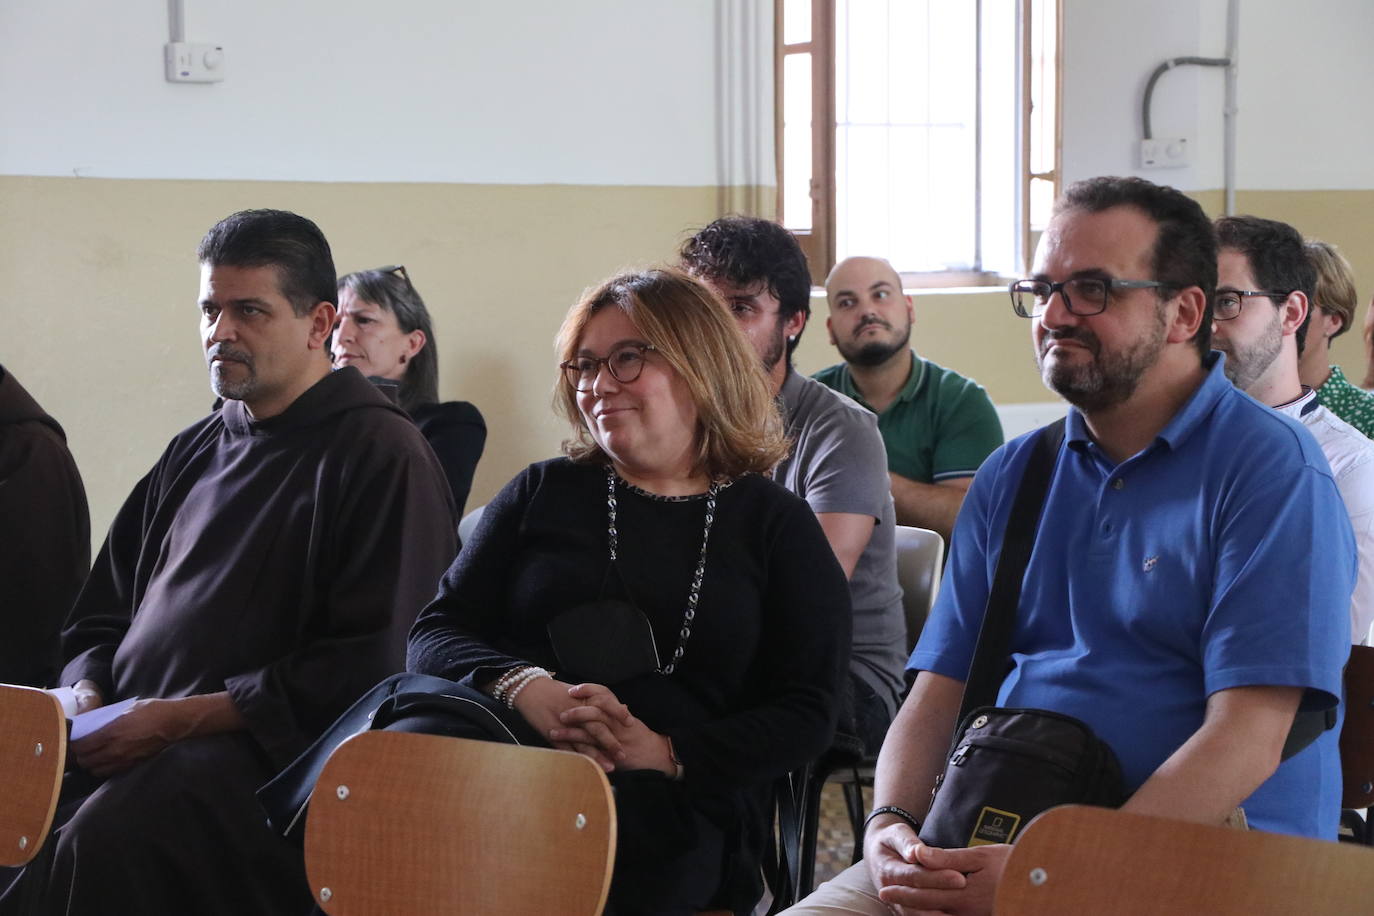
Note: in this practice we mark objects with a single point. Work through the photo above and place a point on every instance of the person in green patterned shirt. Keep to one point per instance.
(1335, 300)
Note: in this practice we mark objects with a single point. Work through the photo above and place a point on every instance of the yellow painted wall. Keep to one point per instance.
(98, 284)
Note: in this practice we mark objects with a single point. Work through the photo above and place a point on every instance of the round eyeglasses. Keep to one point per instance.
(625, 363)
(1082, 295)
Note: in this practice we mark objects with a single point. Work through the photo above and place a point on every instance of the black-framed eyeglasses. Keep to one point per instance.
(1228, 302)
(1082, 295)
(624, 362)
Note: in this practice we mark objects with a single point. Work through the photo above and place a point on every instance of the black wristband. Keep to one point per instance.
(904, 814)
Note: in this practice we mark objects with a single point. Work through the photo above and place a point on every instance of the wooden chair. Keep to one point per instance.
(33, 753)
(420, 824)
(1078, 859)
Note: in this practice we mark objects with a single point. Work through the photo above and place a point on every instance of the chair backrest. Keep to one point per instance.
(1077, 859)
(469, 523)
(33, 753)
(920, 555)
(419, 824)
(1357, 734)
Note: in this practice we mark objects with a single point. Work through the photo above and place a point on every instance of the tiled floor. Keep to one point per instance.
(835, 839)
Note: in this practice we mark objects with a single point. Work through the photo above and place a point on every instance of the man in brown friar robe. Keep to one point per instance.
(45, 537)
(256, 582)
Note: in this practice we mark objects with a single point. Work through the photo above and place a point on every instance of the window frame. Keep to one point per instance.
(819, 242)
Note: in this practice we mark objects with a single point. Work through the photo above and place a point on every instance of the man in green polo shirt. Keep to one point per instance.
(937, 425)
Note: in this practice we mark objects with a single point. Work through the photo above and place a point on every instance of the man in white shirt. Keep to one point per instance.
(1265, 283)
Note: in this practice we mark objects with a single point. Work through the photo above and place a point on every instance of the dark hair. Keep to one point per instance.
(1277, 257)
(391, 289)
(275, 238)
(1185, 252)
(745, 251)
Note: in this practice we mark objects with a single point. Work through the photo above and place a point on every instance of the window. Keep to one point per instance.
(923, 131)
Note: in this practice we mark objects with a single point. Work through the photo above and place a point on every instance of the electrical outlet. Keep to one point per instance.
(194, 63)
(1164, 153)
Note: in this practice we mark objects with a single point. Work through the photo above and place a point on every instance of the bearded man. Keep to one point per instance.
(937, 425)
(1164, 603)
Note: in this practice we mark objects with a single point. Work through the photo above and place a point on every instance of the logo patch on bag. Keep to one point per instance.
(994, 826)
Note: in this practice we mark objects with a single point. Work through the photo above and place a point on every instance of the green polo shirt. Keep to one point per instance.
(1353, 405)
(940, 427)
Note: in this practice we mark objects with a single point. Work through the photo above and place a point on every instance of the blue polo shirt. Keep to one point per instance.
(1219, 556)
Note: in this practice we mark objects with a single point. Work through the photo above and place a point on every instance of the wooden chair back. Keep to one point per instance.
(1078, 859)
(420, 824)
(33, 754)
(1357, 734)
(920, 557)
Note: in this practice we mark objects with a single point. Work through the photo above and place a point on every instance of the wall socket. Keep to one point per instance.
(1164, 153)
(194, 63)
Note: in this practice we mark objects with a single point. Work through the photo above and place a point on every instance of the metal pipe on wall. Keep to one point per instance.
(1229, 109)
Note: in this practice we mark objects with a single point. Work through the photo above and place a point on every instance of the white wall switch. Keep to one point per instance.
(194, 63)
(1164, 153)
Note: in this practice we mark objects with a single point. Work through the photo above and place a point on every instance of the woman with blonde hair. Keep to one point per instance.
(652, 600)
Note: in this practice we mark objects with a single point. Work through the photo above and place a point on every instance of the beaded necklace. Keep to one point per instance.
(694, 593)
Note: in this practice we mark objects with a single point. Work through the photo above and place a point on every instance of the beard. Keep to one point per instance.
(234, 389)
(777, 347)
(1246, 363)
(875, 352)
(1108, 379)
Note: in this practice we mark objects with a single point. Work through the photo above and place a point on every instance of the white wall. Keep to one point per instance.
(1304, 122)
(473, 91)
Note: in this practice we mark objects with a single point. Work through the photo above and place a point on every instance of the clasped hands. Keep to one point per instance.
(591, 720)
(914, 879)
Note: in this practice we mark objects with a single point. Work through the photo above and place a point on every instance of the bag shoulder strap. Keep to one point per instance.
(993, 651)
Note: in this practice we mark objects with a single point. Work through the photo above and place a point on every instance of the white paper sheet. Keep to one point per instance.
(91, 722)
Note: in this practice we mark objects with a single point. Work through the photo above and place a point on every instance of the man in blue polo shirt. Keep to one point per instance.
(1164, 603)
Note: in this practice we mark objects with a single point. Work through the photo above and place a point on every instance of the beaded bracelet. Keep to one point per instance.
(498, 689)
(904, 814)
(528, 677)
(501, 689)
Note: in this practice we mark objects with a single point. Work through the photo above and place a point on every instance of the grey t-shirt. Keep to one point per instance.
(839, 464)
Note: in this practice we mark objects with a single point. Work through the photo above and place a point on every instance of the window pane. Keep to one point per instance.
(905, 146)
(796, 141)
(1000, 187)
(796, 21)
(1044, 36)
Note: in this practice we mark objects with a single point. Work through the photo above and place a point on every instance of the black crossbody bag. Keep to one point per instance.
(1005, 765)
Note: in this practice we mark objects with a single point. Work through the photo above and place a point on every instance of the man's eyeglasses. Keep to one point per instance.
(1229, 301)
(1082, 295)
(625, 364)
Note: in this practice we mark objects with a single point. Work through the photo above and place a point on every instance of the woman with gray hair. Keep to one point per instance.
(384, 330)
